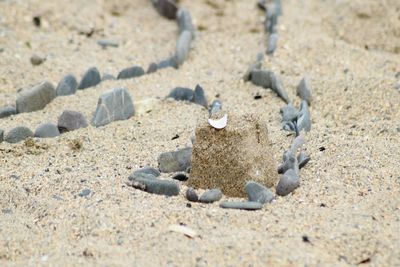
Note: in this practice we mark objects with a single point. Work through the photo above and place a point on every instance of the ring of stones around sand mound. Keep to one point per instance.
(115, 105)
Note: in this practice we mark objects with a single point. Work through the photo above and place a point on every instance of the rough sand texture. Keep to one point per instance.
(348, 204)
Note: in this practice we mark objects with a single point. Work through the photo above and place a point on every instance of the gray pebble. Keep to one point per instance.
(288, 182)
(277, 87)
(47, 130)
(144, 172)
(7, 111)
(271, 18)
(166, 8)
(183, 47)
(181, 94)
(185, 21)
(168, 63)
(182, 177)
(157, 186)
(199, 96)
(85, 192)
(107, 77)
(153, 67)
(191, 195)
(37, 60)
(255, 66)
(67, 86)
(289, 113)
(258, 193)
(216, 106)
(90, 78)
(112, 106)
(241, 205)
(303, 158)
(304, 118)
(71, 120)
(261, 77)
(18, 134)
(289, 163)
(175, 161)
(211, 196)
(289, 126)
(1, 135)
(131, 72)
(272, 43)
(35, 98)
(304, 90)
(104, 43)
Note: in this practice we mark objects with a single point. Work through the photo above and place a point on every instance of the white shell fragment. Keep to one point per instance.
(220, 123)
(183, 230)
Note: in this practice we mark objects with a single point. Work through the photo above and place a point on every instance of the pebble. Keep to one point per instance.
(271, 18)
(85, 192)
(184, 20)
(290, 163)
(199, 96)
(181, 94)
(303, 158)
(180, 177)
(47, 130)
(37, 60)
(277, 87)
(304, 90)
(104, 43)
(290, 126)
(211, 196)
(272, 43)
(288, 182)
(175, 161)
(255, 66)
(191, 195)
(132, 72)
(261, 5)
(35, 98)
(7, 111)
(90, 78)
(216, 106)
(1, 135)
(241, 205)
(261, 77)
(112, 106)
(146, 170)
(107, 77)
(70, 121)
(18, 134)
(153, 67)
(258, 193)
(157, 186)
(289, 113)
(168, 62)
(166, 8)
(304, 118)
(183, 47)
(67, 86)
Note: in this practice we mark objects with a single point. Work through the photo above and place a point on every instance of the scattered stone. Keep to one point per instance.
(144, 172)
(241, 205)
(181, 94)
(112, 106)
(1, 135)
(199, 96)
(258, 193)
(211, 196)
(168, 62)
(290, 162)
(230, 157)
(107, 77)
(153, 67)
(35, 98)
(277, 87)
(180, 177)
(70, 121)
(289, 113)
(272, 43)
(157, 186)
(36, 21)
(185, 21)
(260, 77)
(166, 8)
(288, 182)
(191, 195)
(183, 47)
(67, 86)
(255, 66)
(18, 134)
(85, 192)
(90, 78)
(304, 118)
(304, 90)
(216, 106)
(303, 158)
(47, 130)
(271, 18)
(104, 43)
(37, 60)
(7, 111)
(175, 161)
(132, 72)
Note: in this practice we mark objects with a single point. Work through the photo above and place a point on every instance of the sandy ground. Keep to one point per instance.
(348, 204)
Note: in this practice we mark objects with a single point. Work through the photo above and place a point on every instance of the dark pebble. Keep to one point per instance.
(199, 96)
(18, 134)
(67, 86)
(166, 8)
(258, 193)
(90, 78)
(37, 60)
(157, 186)
(211, 196)
(132, 72)
(153, 67)
(191, 195)
(70, 121)
(182, 94)
(85, 192)
(175, 161)
(180, 177)
(7, 111)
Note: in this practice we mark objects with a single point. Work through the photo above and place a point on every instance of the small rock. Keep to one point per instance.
(304, 118)
(252, 67)
(241, 205)
(37, 60)
(272, 43)
(1, 135)
(144, 172)
(157, 186)
(216, 106)
(211, 196)
(182, 94)
(107, 77)
(303, 159)
(288, 182)
(277, 87)
(168, 62)
(191, 195)
(185, 21)
(131, 72)
(199, 96)
(258, 193)
(271, 18)
(7, 111)
(85, 192)
(104, 43)
(289, 113)
(166, 8)
(67, 86)
(289, 163)
(175, 161)
(90, 78)
(304, 90)
(18, 134)
(35, 98)
(180, 177)
(153, 67)
(112, 106)
(47, 130)
(183, 47)
(70, 121)
(260, 77)
(290, 126)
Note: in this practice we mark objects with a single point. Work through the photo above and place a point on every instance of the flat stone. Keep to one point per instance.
(153, 67)
(230, 157)
(289, 113)
(271, 18)
(67, 86)
(168, 63)
(211, 196)
(104, 43)
(304, 90)
(131, 72)
(35, 98)
(181, 94)
(144, 172)
(288, 183)
(180, 177)
(175, 161)
(216, 106)
(71, 120)
(85, 192)
(241, 205)
(277, 87)
(157, 186)
(7, 111)
(183, 47)
(18, 134)
(90, 78)
(254, 66)
(47, 130)
(272, 43)
(1, 135)
(303, 158)
(108, 77)
(112, 106)
(258, 193)
(184, 20)
(191, 195)
(304, 118)
(199, 96)
(166, 8)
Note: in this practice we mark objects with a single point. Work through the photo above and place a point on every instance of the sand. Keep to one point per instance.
(348, 204)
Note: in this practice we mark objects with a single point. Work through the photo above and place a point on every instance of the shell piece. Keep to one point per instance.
(189, 232)
(219, 123)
